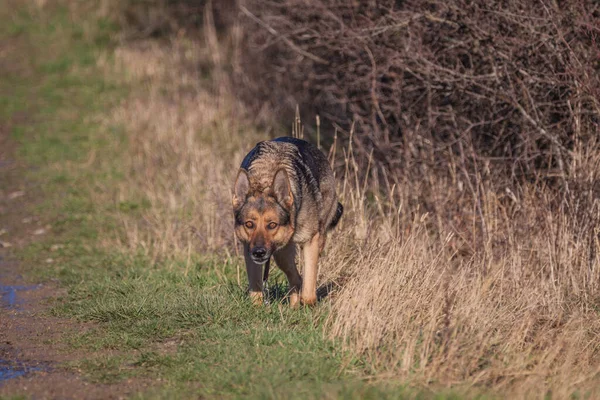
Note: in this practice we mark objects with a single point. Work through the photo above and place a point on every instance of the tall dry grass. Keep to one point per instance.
(184, 146)
(518, 315)
(504, 298)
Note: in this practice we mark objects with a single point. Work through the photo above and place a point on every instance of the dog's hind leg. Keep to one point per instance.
(286, 261)
(255, 279)
(311, 269)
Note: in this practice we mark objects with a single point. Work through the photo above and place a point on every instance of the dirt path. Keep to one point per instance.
(34, 357)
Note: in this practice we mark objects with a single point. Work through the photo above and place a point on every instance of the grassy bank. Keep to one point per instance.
(131, 147)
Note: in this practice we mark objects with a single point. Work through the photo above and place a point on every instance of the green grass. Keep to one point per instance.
(190, 331)
(220, 339)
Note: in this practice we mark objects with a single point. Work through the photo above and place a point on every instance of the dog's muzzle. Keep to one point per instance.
(260, 255)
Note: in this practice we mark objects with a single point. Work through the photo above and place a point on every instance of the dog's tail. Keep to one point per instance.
(338, 215)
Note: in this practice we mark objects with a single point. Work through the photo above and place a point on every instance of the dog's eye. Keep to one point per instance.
(272, 225)
(249, 224)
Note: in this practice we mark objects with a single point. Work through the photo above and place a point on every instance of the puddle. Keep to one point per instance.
(10, 371)
(9, 295)
(10, 298)
(6, 163)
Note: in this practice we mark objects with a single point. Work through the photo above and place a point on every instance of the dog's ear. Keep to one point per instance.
(282, 189)
(240, 189)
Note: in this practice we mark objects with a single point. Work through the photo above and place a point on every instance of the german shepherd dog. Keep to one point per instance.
(284, 195)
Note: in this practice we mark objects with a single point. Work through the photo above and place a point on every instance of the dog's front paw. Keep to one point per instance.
(294, 300)
(256, 298)
(309, 299)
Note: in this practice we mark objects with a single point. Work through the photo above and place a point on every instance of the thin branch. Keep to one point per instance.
(287, 41)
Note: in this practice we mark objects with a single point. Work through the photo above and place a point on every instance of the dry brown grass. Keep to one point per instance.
(519, 315)
(184, 146)
(504, 298)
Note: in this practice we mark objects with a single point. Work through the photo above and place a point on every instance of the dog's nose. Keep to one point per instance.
(259, 252)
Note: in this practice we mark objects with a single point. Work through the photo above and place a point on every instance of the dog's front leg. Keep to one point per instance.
(311, 269)
(255, 283)
(286, 261)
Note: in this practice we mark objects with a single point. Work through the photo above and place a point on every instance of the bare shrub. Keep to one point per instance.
(508, 84)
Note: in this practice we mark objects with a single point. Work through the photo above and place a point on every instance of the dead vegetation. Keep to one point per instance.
(183, 151)
(428, 305)
(516, 85)
(469, 253)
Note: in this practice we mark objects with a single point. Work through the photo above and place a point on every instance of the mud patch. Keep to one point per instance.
(34, 357)
(11, 367)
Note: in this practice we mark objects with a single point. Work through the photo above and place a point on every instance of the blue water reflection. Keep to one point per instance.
(8, 371)
(9, 294)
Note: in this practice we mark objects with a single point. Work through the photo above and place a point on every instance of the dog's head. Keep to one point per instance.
(263, 217)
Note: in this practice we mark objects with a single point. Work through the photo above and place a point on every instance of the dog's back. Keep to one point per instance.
(311, 178)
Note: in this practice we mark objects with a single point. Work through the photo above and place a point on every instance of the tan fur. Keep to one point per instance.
(311, 259)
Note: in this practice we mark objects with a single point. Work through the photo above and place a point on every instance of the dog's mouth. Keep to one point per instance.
(261, 260)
